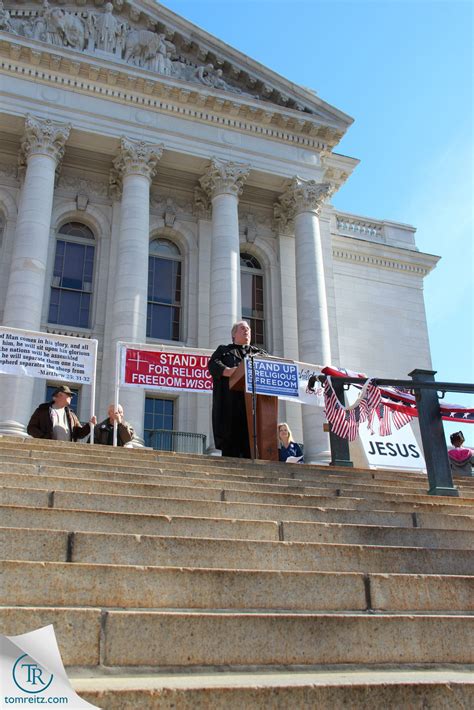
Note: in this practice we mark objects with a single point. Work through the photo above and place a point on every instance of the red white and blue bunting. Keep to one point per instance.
(369, 406)
(402, 403)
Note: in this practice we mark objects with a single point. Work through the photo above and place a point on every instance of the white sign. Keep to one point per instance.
(398, 450)
(310, 389)
(57, 357)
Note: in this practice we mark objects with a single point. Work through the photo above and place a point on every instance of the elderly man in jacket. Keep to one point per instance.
(104, 432)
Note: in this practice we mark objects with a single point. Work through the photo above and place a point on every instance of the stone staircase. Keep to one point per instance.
(193, 582)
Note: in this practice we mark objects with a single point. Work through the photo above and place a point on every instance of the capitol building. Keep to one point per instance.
(156, 186)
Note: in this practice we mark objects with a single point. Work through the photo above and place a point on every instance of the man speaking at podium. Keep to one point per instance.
(229, 418)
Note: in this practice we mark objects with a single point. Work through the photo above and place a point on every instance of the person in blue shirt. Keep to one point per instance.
(288, 449)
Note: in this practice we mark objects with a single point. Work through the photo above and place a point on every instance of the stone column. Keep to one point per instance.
(302, 202)
(223, 182)
(42, 149)
(135, 166)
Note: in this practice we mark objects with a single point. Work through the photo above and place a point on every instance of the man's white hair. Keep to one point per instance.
(236, 325)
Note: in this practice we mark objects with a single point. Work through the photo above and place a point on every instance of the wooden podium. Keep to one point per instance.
(267, 417)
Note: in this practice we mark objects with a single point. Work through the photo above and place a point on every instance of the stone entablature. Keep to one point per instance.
(384, 256)
(96, 76)
(145, 37)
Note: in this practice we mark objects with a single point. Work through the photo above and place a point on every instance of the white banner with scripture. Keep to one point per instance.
(56, 357)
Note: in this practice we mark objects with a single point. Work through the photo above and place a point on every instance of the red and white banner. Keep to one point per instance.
(165, 371)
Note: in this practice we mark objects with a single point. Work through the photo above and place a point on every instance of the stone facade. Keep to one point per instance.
(123, 118)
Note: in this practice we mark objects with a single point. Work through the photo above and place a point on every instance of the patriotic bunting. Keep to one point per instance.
(402, 403)
(369, 405)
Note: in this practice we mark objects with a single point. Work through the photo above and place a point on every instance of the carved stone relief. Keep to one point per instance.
(202, 204)
(105, 34)
(9, 171)
(79, 185)
(169, 207)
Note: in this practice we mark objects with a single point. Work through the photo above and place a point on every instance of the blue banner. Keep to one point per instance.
(277, 379)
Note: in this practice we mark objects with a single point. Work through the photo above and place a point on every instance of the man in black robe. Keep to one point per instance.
(229, 417)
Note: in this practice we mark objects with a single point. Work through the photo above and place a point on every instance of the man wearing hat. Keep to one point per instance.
(55, 420)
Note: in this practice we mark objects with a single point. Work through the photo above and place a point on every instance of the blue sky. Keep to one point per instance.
(403, 70)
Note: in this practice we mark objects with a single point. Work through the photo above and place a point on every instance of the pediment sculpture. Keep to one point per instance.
(104, 34)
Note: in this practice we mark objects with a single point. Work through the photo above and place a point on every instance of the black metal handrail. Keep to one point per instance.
(184, 442)
(430, 422)
(406, 384)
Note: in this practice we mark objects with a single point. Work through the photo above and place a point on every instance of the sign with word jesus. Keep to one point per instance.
(274, 378)
(165, 371)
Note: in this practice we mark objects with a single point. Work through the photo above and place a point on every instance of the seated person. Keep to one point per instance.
(288, 449)
(55, 419)
(460, 458)
(104, 432)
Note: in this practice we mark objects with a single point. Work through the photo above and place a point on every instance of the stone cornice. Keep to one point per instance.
(81, 73)
(175, 47)
(356, 251)
(337, 168)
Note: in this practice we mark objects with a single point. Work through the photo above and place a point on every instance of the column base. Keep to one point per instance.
(13, 428)
(319, 458)
(138, 443)
(443, 491)
(344, 463)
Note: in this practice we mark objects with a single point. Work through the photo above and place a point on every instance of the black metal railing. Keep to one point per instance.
(183, 442)
(429, 418)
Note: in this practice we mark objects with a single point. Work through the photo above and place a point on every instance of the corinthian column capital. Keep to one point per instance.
(303, 196)
(224, 177)
(43, 137)
(137, 158)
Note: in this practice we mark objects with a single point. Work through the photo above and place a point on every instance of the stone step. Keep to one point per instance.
(279, 476)
(159, 639)
(281, 690)
(188, 489)
(90, 521)
(65, 584)
(307, 531)
(178, 478)
(220, 553)
(376, 535)
(127, 587)
(59, 451)
(207, 466)
(178, 505)
(204, 508)
(52, 449)
(318, 480)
